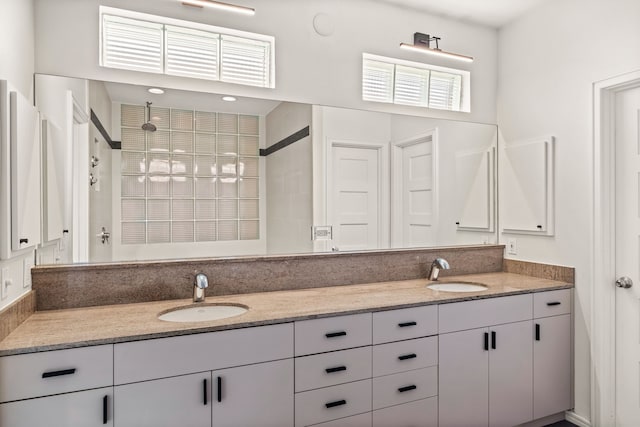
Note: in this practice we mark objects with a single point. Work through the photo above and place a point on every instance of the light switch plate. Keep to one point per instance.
(26, 272)
(512, 247)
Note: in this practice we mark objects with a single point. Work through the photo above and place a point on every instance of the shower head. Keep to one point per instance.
(148, 126)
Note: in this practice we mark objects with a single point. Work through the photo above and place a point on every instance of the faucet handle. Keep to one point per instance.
(441, 263)
(202, 281)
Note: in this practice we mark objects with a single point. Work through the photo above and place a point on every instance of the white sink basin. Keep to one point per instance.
(457, 287)
(203, 312)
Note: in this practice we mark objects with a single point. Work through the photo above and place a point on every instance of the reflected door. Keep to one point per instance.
(627, 254)
(355, 198)
(100, 198)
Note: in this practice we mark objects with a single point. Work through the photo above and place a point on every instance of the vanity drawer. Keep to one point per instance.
(404, 356)
(167, 357)
(552, 303)
(405, 387)
(332, 333)
(336, 367)
(406, 323)
(422, 413)
(362, 420)
(461, 316)
(52, 372)
(331, 403)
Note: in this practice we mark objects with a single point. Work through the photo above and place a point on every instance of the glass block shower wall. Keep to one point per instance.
(195, 179)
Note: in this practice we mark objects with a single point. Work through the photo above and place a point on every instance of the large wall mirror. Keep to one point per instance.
(193, 175)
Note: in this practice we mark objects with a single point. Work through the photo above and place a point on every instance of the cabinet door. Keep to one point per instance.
(81, 409)
(552, 365)
(180, 401)
(510, 374)
(464, 379)
(254, 395)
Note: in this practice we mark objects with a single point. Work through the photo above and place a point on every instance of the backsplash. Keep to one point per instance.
(62, 287)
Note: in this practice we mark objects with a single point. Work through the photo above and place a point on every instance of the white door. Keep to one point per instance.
(254, 395)
(81, 409)
(355, 198)
(627, 258)
(99, 198)
(417, 195)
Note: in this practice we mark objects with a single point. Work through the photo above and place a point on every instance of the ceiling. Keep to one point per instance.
(138, 95)
(492, 13)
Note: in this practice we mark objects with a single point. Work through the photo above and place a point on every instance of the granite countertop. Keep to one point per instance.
(61, 329)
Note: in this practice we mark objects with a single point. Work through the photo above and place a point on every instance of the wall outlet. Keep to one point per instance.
(5, 282)
(512, 247)
(26, 272)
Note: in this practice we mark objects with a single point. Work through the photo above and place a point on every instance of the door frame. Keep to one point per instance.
(603, 293)
(383, 183)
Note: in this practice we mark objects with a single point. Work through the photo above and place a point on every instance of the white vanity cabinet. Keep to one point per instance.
(72, 387)
(240, 377)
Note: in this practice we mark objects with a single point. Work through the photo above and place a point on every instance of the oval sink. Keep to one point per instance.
(203, 312)
(457, 287)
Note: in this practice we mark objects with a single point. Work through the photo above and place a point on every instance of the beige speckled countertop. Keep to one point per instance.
(60, 329)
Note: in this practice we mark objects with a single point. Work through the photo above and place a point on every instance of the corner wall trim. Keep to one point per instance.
(302, 133)
(576, 419)
(115, 145)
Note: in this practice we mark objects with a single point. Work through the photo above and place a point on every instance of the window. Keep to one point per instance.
(195, 179)
(140, 42)
(411, 83)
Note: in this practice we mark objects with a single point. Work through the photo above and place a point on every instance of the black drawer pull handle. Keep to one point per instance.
(539, 227)
(336, 403)
(336, 334)
(24, 241)
(407, 356)
(105, 404)
(486, 341)
(59, 373)
(537, 332)
(205, 392)
(336, 369)
(553, 303)
(219, 389)
(405, 324)
(407, 388)
(494, 343)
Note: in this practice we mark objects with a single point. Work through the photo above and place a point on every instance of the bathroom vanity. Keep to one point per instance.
(380, 354)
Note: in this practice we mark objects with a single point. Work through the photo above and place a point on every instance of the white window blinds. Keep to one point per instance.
(156, 44)
(244, 61)
(132, 44)
(191, 53)
(377, 81)
(398, 83)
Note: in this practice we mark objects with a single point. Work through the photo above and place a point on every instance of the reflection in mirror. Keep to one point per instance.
(195, 176)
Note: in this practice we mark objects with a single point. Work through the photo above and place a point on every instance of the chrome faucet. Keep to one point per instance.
(199, 285)
(437, 265)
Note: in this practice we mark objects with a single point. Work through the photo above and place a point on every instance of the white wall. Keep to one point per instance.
(16, 66)
(289, 181)
(548, 62)
(309, 68)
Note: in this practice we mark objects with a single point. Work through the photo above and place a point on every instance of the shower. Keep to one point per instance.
(148, 126)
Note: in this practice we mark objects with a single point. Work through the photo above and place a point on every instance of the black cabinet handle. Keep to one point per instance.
(539, 227)
(59, 373)
(336, 369)
(24, 241)
(336, 403)
(406, 324)
(407, 388)
(493, 340)
(407, 356)
(537, 332)
(105, 405)
(336, 334)
(486, 341)
(205, 392)
(219, 389)
(553, 303)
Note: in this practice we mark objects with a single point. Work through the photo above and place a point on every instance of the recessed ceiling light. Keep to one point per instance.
(155, 90)
(220, 5)
(229, 98)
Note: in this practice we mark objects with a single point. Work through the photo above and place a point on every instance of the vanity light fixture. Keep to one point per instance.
(229, 98)
(155, 90)
(422, 43)
(220, 5)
